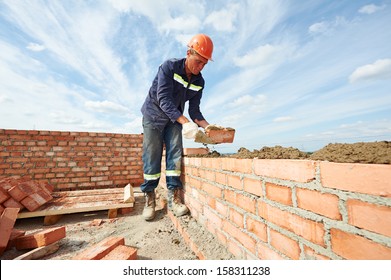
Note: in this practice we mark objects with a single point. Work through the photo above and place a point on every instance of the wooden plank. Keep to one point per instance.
(83, 207)
(128, 193)
(88, 192)
(88, 198)
(39, 252)
(112, 213)
(51, 220)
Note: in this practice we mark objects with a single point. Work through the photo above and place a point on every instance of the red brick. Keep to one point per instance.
(40, 238)
(221, 136)
(12, 203)
(310, 230)
(122, 252)
(213, 217)
(257, 227)
(7, 183)
(101, 249)
(242, 237)
(212, 163)
(236, 217)
(266, 253)
(374, 179)
(369, 216)
(36, 200)
(20, 191)
(221, 208)
(310, 254)
(295, 170)
(234, 182)
(14, 234)
(3, 195)
(245, 202)
(321, 203)
(195, 151)
(253, 186)
(237, 165)
(285, 245)
(212, 189)
(221, 178)
(279, 193)
(354, 247)
(7, 222)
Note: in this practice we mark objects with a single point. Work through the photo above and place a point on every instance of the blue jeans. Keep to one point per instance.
(153, 143)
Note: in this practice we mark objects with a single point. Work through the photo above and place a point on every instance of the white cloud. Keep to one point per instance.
(64, 118)
(224, 19)
(163, 13)
(370, 9)
(35, 47)
(249, 103)
(283, 119)
(261, 55)
(318, 27)
(185, 23)
(5, 99)
(106, 107)
(379, 70)
(326, 26)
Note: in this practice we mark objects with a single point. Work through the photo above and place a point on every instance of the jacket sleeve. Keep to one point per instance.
(194, 107)
(165, 91)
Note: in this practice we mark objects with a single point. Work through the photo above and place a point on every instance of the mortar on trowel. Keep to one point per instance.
(215, 134)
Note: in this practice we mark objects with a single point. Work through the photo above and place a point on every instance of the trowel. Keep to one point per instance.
(201, 137)
(215, 135)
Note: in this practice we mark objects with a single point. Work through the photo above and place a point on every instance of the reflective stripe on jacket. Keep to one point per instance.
(169, 91)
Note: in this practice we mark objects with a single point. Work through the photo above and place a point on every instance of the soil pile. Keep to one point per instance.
(361, 152)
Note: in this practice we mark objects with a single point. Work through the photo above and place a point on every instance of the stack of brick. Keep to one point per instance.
(111, 248)
(23, 194)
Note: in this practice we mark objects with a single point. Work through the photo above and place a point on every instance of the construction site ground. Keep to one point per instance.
(154, 240)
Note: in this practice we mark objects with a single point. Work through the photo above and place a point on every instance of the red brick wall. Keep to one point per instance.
(292, 209)
(72, 160)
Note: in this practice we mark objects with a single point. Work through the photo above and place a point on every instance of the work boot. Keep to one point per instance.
(175, 204)
(150, 204)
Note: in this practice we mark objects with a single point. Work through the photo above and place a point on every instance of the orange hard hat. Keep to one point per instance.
(202, 44)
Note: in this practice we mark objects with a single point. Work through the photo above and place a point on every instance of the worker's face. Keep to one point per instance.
(195, 62)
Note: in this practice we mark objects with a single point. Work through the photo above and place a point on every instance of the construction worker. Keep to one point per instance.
(177, 81)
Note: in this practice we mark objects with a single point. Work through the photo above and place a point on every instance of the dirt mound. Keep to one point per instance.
(373, 152)
(362, 152)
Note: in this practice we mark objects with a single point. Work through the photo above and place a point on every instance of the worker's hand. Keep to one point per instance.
(213, 127)
(189, 130)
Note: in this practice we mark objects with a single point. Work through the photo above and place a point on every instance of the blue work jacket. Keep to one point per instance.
(170, 90)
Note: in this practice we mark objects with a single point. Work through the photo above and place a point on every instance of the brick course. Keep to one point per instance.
(292, 209)
(72, 160)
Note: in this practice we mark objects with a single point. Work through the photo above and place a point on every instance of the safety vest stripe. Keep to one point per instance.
(185, 84)
(152, 176)
(173, 172)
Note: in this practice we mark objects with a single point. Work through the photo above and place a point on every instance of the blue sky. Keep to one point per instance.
(285, 72)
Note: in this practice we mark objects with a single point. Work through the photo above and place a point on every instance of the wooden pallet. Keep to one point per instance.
(68, 202)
